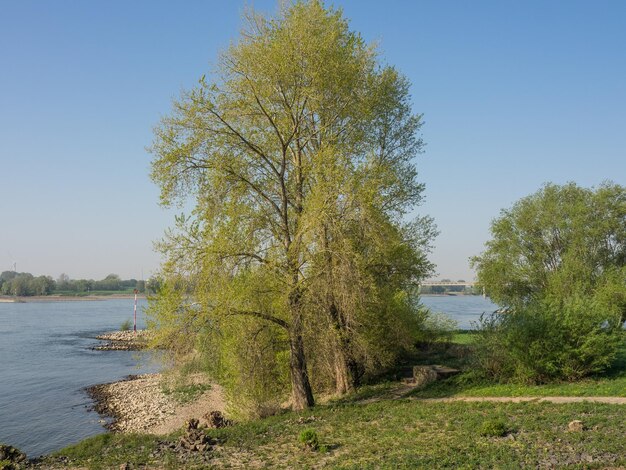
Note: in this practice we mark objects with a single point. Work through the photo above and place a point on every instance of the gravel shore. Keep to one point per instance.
(139, 404)
(123, 340)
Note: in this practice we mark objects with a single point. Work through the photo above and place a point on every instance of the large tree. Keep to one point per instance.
(557, 263)
(562, 237)
(299, 153)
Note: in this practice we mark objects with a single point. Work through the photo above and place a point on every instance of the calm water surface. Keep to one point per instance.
(46, 363)
(465, 309)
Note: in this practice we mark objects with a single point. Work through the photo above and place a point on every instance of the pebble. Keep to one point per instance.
(136, 404)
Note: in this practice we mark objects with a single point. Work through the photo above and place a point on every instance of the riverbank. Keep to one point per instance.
(386, 425)
(150, 404)
(387, 433)
(123, 340)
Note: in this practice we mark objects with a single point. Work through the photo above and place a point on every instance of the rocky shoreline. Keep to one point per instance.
(148, 403)
(140, 404)
(123, 341)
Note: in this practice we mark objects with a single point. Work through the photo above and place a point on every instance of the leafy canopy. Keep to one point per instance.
(557, 263)
(298, 152)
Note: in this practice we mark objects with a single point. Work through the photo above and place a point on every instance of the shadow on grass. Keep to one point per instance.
(459, 354)
(470, 383)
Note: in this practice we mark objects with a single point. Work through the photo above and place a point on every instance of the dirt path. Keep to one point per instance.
(609, 400)
(403, 390)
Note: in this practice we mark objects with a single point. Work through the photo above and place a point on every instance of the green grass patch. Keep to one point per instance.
(106, 451)
(464, 337)
(396, 434)
(185, 393)
(494, 428)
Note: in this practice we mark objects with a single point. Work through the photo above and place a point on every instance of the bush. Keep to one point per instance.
(126, 325)
(494, 428)
(438, 327)
(549, 340)
(309, 439)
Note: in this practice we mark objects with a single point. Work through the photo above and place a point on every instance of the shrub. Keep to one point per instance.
(309, 439)
(126, 325)
(6, 465)
(550, 340)
(494, 428)
(438, 327)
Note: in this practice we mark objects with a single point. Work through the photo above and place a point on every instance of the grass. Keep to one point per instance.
(185, 393)
(126, 325)
(372, 428)
(182, 386)
(393, 434)
(608, 386)
(464, 337)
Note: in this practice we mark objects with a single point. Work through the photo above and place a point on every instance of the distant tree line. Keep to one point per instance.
(25, 284)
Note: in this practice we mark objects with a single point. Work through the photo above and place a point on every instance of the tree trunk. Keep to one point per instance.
(347, 375)
(301, 391)
(343, 382)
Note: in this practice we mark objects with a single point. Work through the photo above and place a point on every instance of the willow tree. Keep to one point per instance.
(298, 139)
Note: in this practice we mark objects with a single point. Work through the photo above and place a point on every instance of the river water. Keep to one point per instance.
(465, 309)
(46, 363)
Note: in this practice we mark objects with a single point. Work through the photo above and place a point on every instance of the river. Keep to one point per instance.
(465, 309)
(47, 362)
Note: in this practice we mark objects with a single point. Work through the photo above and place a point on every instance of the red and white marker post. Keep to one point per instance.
(135, 313)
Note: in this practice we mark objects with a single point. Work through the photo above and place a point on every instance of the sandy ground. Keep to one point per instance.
(140, 405)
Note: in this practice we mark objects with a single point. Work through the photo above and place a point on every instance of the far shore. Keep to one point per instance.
(66, 298)
(451, 294)
(92, 298)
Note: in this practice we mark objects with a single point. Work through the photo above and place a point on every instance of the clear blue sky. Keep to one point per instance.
(514, 94)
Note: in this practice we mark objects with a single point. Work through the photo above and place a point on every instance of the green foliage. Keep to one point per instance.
(438, 327)
(551, 340)
(565, 238)
(494, 428)
(308, 438)
(126, 325)
(25, 284)
(473, 382)
(293, 271)
(557, 263)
